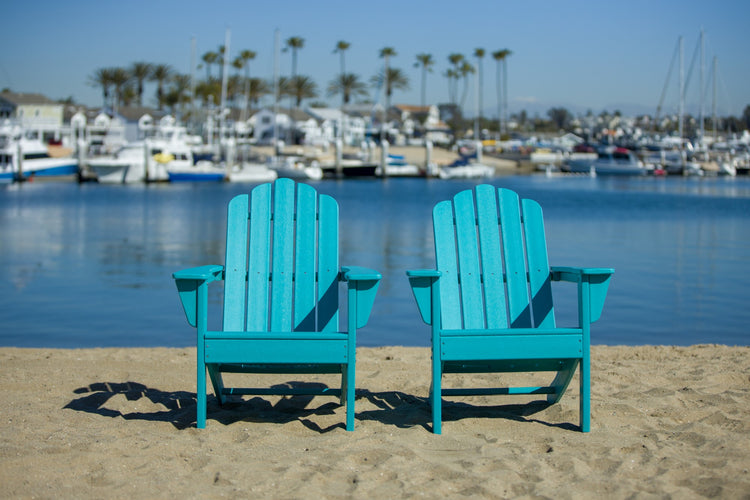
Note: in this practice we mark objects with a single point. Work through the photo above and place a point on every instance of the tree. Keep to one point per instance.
(342, 47)
(464, 71)
(258, 88)
(120, 80)
(210, 58)
(386, 53)
(247, 56)
(454, 74)
(301, 87)
(294, 43)
(560, 117)
(140, 72)
(348, 85)
(178, 92)
(500, 57)
(479, 54)
(208, 90)
(392, 78)
(426, 62)
(102, 77)
(160, 74)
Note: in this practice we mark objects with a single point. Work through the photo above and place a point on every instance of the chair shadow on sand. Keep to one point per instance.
(393, 407)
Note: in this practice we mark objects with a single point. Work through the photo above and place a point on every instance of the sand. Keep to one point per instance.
(119, 423)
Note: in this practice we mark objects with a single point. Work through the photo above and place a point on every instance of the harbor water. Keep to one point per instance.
(90, 265)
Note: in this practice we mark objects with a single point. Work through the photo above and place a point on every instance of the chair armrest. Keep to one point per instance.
(188, 281)
(202, 273)
(356, 273)
(423, 273)
(575, 274)
(363, 286)
(422, 281)
(597, 279)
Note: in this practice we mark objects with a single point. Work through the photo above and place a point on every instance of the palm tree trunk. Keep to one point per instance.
(499, 102)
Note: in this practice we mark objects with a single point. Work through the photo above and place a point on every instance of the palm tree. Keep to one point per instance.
(102, 77)
(464, 71)
(342, 47)
(208, 90)
(140, 71)
(258, 88)
(179, 91)
(479, 54)
(294, 43)
(348, 85)
(210, 58)
(386, 53)
(301, 87)
(161, 73)
(454, 74)
(120, 79)
(247, 56)
(393, 78)
(499, 57)
(426, 62)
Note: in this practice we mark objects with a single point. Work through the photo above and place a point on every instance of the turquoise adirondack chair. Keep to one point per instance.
(281, 299)
(489, 301)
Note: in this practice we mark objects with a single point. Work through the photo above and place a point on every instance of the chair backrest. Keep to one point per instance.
(282, 263)
(491, 251)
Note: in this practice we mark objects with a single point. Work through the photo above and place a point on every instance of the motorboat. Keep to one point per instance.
(294, 167)
(125, 165)
(168, 155)
(397, 166)
(251, 172)
(23, 156)
(466, 167)
(202, 171)
(609, 161)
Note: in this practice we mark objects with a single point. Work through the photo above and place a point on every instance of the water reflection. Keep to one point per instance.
(91, 265)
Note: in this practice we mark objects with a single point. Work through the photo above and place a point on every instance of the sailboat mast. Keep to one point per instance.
(682, 91)
(713, 102)
(702, 126)
(276, 90)
(224, 79)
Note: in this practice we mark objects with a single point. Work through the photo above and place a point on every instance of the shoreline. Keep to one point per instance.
(119, 422)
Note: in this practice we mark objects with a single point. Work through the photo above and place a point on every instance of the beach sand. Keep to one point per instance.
(119, 423)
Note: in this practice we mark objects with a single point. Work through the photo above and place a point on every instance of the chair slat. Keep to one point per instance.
(515, 265)
(258, 266)
(468, 260)
(328, 264)
(492, 261)
(235, 263)
(283, 256)
(445, 254)
(539, 277)
(304, 270)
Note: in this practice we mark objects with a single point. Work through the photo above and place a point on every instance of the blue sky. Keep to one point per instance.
(575, 54)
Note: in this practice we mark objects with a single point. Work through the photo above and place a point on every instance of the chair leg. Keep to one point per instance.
(218, 383)
(585, 394)
(201, 395)
(436, 398)
(350, 389)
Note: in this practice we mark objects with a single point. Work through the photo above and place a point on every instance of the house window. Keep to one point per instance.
(266, 120)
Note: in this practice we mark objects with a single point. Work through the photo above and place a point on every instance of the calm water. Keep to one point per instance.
(91, 265)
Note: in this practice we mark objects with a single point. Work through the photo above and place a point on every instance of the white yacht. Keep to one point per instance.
(23, 156)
